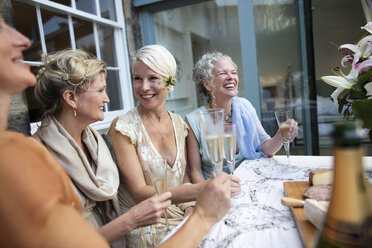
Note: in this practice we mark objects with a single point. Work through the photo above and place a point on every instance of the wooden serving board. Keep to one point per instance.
(305, 228)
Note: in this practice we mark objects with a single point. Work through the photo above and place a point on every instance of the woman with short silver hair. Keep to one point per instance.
(216, 76)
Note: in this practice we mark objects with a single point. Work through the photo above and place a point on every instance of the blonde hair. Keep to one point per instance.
(61, 71)
(158, 59)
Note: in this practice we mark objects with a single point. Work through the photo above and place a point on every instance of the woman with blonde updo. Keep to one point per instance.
(71, 88)
(150, 131)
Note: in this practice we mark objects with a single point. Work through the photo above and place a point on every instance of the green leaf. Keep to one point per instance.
(362, 110)
(342, 100)
(364, 77)
(357, 93)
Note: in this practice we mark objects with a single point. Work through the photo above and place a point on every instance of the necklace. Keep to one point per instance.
(156, 128)
(228, 117)
(162, 136)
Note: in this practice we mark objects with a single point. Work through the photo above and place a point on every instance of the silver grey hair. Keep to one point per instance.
(203, 70)
(158, 59)
(61, 71)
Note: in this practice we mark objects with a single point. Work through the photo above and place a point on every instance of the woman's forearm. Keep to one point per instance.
(117, 228)
(197, 176)
(271, 146)
(186, 193)
(193, 231)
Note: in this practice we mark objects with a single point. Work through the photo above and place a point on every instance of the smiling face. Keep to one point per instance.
(149, 87)
(15, 76)
(225, 82)
(91, 102)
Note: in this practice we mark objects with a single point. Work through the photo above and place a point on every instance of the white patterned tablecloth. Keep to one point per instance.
(257, 217)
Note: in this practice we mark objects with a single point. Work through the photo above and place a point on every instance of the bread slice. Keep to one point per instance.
(321, 177)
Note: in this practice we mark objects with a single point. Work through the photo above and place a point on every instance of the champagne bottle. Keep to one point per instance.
(349, 218)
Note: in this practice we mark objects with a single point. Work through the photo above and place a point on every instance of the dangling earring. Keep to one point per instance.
(75, 113)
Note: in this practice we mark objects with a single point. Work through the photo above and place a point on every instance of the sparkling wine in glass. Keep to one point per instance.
(230, 145)
(158, 170)
(212, 122)
(283, 117)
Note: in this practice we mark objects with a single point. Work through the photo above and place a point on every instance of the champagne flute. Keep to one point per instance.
(211, 122)
(158, 170)
(230, 145)
(282, 118)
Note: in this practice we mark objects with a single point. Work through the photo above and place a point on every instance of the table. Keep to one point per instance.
(257, 218)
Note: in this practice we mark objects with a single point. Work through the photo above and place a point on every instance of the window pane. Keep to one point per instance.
(25, 21)
(113, 91)
(64, 2)
(278, 65)
(108, 9)
(87, 6)
(107, 45)
(337, 22)
(189, 32)
(57, 35)
(84, 36)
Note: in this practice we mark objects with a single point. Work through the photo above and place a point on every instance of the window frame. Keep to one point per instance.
(120, 42)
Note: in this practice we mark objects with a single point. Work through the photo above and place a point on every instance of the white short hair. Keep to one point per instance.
(158, 59)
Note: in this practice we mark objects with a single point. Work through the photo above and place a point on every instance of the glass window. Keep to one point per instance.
(87, 6)
(107, 9)
(113, 91)
(278, 54)
(64, 2)
(84, 35)
(61, 29)
(337, 23)
(107, 45)
(25, 21)
(189, 32)
(56, 31)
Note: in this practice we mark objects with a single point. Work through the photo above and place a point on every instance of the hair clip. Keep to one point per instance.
(40, 72)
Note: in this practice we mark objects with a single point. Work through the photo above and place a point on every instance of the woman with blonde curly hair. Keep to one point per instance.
(71, 88)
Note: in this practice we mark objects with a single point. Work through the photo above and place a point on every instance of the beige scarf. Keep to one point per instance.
(100, 185)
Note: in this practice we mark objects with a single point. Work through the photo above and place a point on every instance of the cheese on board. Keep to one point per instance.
(321, 177)
(316, 212)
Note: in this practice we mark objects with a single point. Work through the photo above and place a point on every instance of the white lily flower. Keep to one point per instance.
(368, 88)
(368, 27)
(365, 46)
(335, 94)
(354, 72)
(351, 47)
(362, 50)
(337, 81)
(345, 59)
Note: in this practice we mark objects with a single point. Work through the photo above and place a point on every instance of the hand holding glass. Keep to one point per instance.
(230, 145)
(283, 117)
(212, 122)
(158, 170)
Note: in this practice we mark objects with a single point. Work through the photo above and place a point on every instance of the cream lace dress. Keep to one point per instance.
(132, 126)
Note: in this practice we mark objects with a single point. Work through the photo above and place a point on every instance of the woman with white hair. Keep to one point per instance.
(216, 76)
(150, 131)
